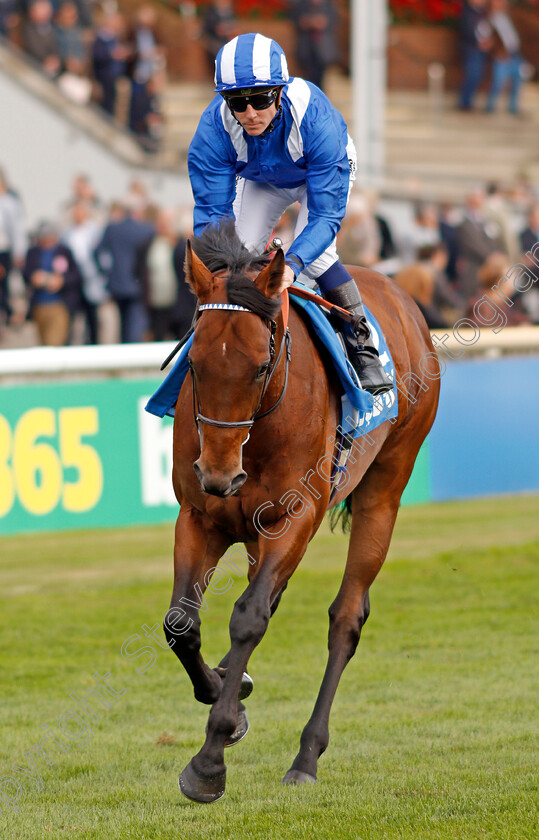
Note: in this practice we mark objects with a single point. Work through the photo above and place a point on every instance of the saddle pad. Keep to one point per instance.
(361, 411)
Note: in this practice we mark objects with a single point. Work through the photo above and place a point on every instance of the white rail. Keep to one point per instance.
(102, 358)
(115, 359)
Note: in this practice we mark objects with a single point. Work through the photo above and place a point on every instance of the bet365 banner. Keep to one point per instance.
(88, 455)
(77, 456)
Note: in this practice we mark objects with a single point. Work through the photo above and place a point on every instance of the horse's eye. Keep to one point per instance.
(262, 370)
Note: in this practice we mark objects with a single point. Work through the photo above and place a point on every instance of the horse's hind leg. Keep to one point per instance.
(375, 505)
(197, 550)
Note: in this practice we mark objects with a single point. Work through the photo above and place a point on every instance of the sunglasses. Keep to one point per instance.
(259, 101)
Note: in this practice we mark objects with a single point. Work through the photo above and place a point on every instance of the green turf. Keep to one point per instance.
(432, 730)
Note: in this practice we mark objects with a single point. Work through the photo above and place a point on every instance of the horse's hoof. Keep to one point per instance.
(200, 788)
(298, 777)
(246, 686)
(240, 731)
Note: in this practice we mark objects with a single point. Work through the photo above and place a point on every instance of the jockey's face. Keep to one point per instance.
(255, 122)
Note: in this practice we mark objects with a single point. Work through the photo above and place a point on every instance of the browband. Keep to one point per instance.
(234, 307)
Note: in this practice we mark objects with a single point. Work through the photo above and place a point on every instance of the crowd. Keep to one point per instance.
(89, 48)
(100, 274)
(96, 274)
(448, 257)
(93, 51)
(488, 35)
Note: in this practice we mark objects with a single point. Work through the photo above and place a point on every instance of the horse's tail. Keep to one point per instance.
(342, 513)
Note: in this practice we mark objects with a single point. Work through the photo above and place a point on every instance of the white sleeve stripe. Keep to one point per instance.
(228, 73)
(299, 95)
(261, 57)
(235, 132)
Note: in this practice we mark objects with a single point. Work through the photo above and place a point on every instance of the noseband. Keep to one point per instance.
(272, 367)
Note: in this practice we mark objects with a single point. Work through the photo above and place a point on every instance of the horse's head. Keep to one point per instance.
(234, 350)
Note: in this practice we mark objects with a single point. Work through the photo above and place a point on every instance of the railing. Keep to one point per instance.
(112, 360)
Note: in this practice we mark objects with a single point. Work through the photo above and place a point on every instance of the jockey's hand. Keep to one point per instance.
(288, 277)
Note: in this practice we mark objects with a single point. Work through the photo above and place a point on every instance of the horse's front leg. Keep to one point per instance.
(197, 550)
(204, 777)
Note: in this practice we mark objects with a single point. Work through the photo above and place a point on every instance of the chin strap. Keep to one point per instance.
(274, 122)
(270, 127)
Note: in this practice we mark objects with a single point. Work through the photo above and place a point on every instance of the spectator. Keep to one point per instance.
(528, 239)
(83, 190)
(82, 238)
(476, 40)
(147, 56)
(477, 239)
(145, 117)
(13, 241)
(418, 281)
(530, 235)
(359, 241)
(170, 303)
(449, 220)
(423, 231)
(117, 256)
(9, 17)
(70, 40)
(218, 27)
(504, 300)
(506, 57)
(85, 9)
(316, 49)
(502, 215)
(445, 298)
(39, 38)
(52, 276)
(110, 55)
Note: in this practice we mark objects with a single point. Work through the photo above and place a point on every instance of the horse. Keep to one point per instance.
(252, 420)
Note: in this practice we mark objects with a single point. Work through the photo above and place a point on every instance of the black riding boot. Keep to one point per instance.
(363, 353)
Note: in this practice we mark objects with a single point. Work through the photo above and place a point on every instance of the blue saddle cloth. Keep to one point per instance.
(360, 412)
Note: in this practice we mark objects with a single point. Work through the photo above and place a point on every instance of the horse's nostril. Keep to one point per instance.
(238, 481)
(218, 485)
(198, 473)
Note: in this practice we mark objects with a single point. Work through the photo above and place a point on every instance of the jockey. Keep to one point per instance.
(264, 142)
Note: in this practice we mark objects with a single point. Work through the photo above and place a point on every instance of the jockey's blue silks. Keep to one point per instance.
(309, 146)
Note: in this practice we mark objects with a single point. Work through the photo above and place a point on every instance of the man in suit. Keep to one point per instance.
(477, 239)
(118, 257)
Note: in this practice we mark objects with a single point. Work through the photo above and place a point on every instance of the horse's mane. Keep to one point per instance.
(219, 247)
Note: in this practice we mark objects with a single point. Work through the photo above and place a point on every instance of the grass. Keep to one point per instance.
(432, 730)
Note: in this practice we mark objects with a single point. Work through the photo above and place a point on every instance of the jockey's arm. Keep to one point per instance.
(328, 181)
(212, 173)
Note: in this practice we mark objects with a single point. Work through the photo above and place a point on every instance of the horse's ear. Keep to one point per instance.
(270, 279)
(197, 274)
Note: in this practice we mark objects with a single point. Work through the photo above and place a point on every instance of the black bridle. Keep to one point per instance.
(270, 370)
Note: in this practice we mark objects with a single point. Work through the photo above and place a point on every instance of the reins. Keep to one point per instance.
(271, 369)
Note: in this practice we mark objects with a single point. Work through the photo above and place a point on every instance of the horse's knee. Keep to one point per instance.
(249, 620)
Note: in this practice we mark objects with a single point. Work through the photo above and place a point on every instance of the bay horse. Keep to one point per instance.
(253, 419)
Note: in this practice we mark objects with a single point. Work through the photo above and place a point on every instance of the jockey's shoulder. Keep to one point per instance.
(307, 102)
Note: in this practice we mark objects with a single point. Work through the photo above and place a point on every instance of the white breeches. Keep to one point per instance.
(258, 207)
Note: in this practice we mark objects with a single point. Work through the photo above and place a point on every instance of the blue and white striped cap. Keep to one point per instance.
(249, 61)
